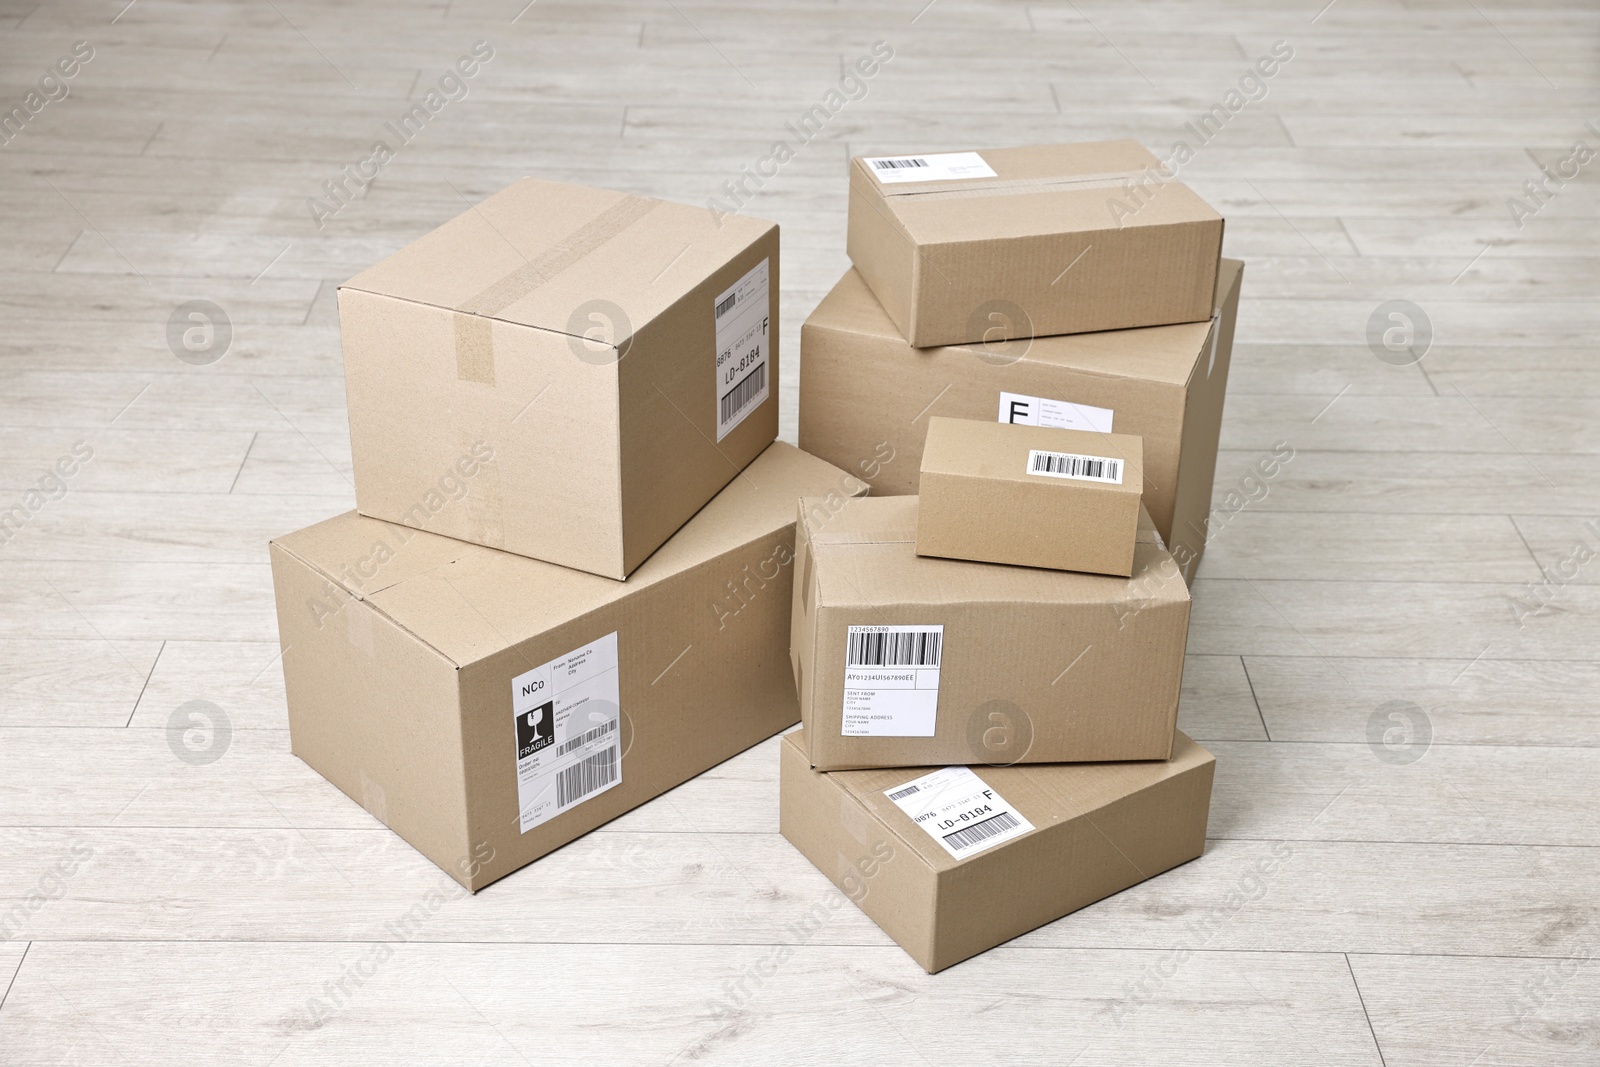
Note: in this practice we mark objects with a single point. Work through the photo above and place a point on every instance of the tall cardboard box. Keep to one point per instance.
(866, 396)
(956, 860)
(489, 708)
(617, 354)
(962, 247)
(906, 661)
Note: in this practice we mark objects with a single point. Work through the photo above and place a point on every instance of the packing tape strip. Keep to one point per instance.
(473, 325)
(948, 190)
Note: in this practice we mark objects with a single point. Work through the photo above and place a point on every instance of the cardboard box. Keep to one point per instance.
(866, 396)
(489, 708)
(908, 661)
(1034, 496)
(954, 861)
(616, 355)
(1024, 242)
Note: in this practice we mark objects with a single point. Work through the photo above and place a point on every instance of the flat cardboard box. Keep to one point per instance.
(964, 247)
(1038, 841)
(615, 355)
(1033, 496)
(475, 701)
(908, 661)
(866, 396)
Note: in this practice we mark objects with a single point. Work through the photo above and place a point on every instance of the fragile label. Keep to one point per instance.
(568, 729)
(1062, 414)
(938, 167)
(743, 317)
(1076, 467)
(891, 680)
(959, 810)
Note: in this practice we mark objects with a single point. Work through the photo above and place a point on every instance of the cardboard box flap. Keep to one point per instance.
(1154, 353)
(538, 253)
(1044, 793)
(872, 541)
(467, 602)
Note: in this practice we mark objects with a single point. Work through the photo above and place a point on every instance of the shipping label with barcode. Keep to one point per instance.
(936, 167)
(891, 680)
(1062, 414)
(1079, 468)
(959, 810)
(568, 728)
(744, 321)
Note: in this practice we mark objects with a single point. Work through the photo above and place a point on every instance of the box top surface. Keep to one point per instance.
(865, 554)
(1037, 190)
(999, 450)
(1046, 794)
(467, 602)
(549, 254)
(1151, 353)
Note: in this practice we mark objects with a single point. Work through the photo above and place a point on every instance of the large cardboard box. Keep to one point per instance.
(866, 396)
(1033, 496)
(617, 354)
(1023, 242)
(489, 708)
(954, 861)
(906, 661)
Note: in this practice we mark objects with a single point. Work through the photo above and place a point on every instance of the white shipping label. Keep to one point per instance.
(743, 317)
(959, 810)
(568, 731)
(1062, 414)
(939, 167)
(891, 680)
(1076, 467)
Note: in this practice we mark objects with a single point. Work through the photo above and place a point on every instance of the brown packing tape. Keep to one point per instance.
(474, 341)
(960, 188)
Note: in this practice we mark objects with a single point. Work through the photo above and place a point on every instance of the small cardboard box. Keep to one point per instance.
(1034, 496)
(1024, 242)
(866, 397)
(619, 355)
(954, 861)
(489, 708)
(907, 661)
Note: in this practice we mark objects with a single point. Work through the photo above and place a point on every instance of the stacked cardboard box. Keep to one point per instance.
(989, 671)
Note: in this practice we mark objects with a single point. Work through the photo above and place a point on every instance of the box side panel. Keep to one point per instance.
(703, 674)
(673, 463)
(1202, 430)
(857, 853)
(373, 711)
(880, 249)
(1021, 886)
(505, 436)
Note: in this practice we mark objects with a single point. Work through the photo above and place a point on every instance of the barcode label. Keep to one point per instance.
(745, 393)
(932, 167)
(961, 811)
(982, 832)
(743, 318)
(1071, 465)
(904, 648)
(588, 775)
(593, 735)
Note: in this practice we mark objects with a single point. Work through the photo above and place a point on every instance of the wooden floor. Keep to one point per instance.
(1396, 644)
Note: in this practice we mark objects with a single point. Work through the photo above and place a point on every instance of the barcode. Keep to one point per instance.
(907, 791)
(724, 305)
(579, 742)
(741, 395)
(1067, 465)
(907, 648)
(898, 164)
(585, 776)
(971, 835)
